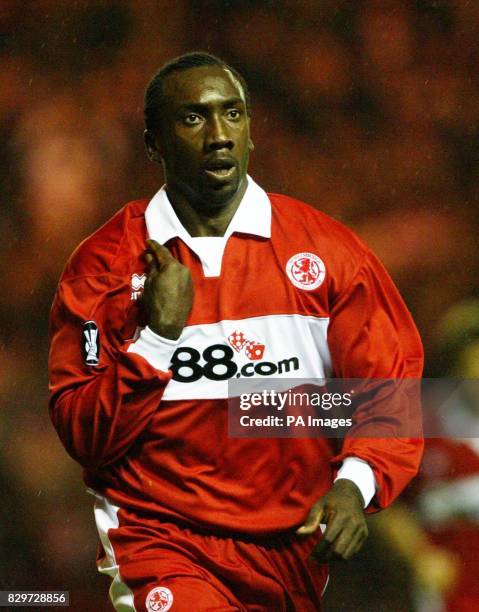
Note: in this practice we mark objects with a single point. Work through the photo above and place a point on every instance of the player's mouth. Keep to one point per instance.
(220, 169)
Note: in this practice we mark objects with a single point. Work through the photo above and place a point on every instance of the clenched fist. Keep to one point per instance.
(168, 294)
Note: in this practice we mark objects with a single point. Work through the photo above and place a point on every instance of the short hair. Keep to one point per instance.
(154, 95)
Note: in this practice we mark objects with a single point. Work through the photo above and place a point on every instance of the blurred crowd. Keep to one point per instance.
(367, 109)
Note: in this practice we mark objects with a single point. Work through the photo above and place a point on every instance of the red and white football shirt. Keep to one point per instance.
(286, 292)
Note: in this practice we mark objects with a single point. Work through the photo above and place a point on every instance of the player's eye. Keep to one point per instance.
(192, 119)
(233, 113)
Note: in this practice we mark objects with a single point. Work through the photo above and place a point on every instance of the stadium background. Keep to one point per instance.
(366, 109)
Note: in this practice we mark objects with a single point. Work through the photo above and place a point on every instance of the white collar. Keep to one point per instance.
(253, 216)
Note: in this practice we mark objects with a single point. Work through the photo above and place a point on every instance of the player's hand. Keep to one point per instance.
(341, 509)
(168, 293)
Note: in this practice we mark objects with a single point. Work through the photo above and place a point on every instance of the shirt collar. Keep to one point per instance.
(253, 216)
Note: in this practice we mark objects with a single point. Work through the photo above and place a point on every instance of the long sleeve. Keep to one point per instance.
(100, 410)
(372, 336)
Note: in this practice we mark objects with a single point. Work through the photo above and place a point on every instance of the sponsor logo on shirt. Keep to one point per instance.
(212, 355)
(219, 361)
(254, 350)
(159, 599)
(137, 285)
(91, 343)
(306, 271)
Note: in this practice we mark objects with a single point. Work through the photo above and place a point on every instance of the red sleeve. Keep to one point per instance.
(372, 335)
(98, 411)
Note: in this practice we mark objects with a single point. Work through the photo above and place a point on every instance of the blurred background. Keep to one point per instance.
(366, 109)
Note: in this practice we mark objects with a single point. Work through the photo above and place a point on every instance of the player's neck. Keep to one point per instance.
(202, 221)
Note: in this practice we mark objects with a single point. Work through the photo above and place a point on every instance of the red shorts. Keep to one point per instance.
(157, 566)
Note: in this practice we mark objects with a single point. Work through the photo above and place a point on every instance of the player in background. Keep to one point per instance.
(211, 279)
(437, 533)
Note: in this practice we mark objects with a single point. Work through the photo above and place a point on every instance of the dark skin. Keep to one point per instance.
(203, 144)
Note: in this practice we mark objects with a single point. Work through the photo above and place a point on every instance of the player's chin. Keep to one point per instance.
(220, 194)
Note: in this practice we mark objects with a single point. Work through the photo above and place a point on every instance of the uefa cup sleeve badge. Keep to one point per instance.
(306, 271)
(91, 343)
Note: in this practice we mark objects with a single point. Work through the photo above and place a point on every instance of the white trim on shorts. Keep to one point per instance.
(106, 518)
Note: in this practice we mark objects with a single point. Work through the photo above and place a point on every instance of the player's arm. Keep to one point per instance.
(371, 336)
(100, 409)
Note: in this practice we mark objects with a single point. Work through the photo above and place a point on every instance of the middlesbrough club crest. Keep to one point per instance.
(159, 599)
(306, 271)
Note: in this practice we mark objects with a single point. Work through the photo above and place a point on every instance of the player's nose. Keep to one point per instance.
(217, 136)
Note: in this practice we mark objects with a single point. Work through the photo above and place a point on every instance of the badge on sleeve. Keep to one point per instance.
(91, 343)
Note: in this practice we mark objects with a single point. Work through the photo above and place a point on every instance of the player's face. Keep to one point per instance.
(204, 140)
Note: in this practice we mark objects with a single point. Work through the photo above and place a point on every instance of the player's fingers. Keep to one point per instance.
(344, 540)
(159, 252)
(323, 552)
(355, 544)
(312, 522)
(149, 258)
(335, 526)
(152, 265)
(345, 545)
(326, 548)
(354, 547)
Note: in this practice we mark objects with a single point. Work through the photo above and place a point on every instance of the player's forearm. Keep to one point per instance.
(98, 421)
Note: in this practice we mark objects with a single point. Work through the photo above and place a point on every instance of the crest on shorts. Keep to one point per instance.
(306, 271)
(159, 599)
(91, 343)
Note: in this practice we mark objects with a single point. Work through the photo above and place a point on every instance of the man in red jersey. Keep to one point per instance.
(188, 518)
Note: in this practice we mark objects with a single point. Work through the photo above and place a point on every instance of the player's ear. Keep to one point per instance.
(152, 146)
(250, 144)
